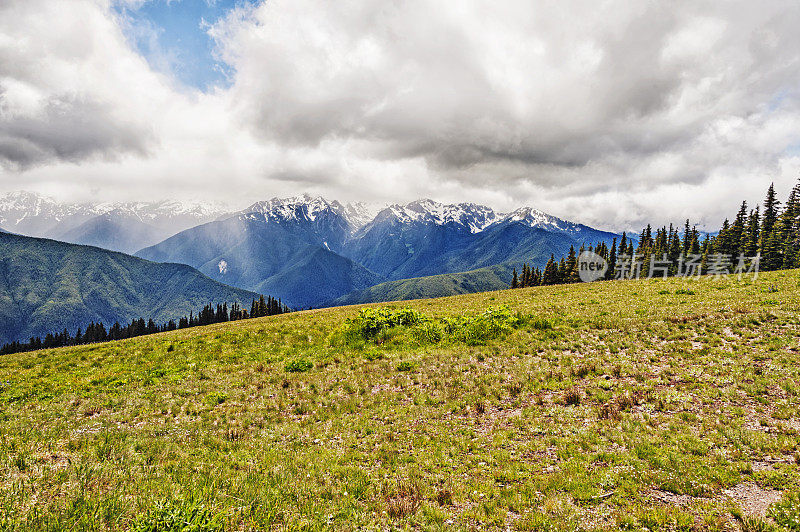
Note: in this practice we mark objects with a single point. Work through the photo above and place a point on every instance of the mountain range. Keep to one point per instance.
(307, 250)
(48, 286)
(124, 226)
(311, 252)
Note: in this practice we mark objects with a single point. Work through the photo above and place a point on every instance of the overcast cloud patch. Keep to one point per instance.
(645, 106)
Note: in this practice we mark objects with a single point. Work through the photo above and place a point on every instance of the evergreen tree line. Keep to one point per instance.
(97, 332)
(565, 270)
(772, 235)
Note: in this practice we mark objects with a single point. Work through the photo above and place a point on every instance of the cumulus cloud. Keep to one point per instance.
(70, 89)
(535, 84)
(614, 114)
(67, 127)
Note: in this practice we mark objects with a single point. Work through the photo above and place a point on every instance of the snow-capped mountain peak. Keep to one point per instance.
(472, 216)
(360, 214)
(24, 199)
(37, 215)
(295, 208)
(31, 208)
(33, 214)
(540, 220)
(165, 210)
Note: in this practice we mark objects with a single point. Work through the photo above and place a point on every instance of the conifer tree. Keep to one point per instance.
(771, 205)
(687, 237)
(571, 267)
(736, 232)
(768, 241)
(786, 228)
(550, 275)
(722, 243)
(751, 236)
(675, 247)
(612, 260)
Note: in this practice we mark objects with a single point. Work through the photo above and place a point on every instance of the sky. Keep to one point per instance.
(614, 114)
(173, 36)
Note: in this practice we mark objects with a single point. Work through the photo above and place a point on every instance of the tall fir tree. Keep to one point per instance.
(550, 275)
(752, 233)
(612, 260)
(736, 232)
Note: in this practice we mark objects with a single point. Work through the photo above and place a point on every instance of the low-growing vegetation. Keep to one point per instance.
(406, 325)
(616, 405)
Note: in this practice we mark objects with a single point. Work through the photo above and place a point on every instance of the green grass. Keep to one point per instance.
(578, 407)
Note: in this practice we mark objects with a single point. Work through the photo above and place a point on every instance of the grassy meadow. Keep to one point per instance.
(636, 405)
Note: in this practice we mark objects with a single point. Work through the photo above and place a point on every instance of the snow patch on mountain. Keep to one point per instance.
(297, 208)
(38, 215)
(474, 217)
(540, 220)
(309, 208)
(360, 214)
(477, 218)
(17, 207)
(167, 209)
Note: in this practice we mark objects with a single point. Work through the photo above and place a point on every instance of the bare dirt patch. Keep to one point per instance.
(752, 499)
(667, 497)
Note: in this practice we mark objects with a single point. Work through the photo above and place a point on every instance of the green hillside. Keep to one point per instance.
(47, 286)
(450, 284)
(633, 405)
(317, 275)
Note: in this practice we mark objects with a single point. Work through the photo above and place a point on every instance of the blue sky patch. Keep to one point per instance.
(173, 36)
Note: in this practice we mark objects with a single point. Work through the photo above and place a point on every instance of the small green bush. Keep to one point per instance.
(405, 366)
(491, 324)
(370, 322)
(216, 398)
(538, 323)
(385, 326)
(299, 365)
(752, 523)
(373, 355)
(178, 516)
(429, 332)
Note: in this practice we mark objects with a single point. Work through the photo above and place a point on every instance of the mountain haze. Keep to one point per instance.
(289, 247)
(122, 226)
(113, 230)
